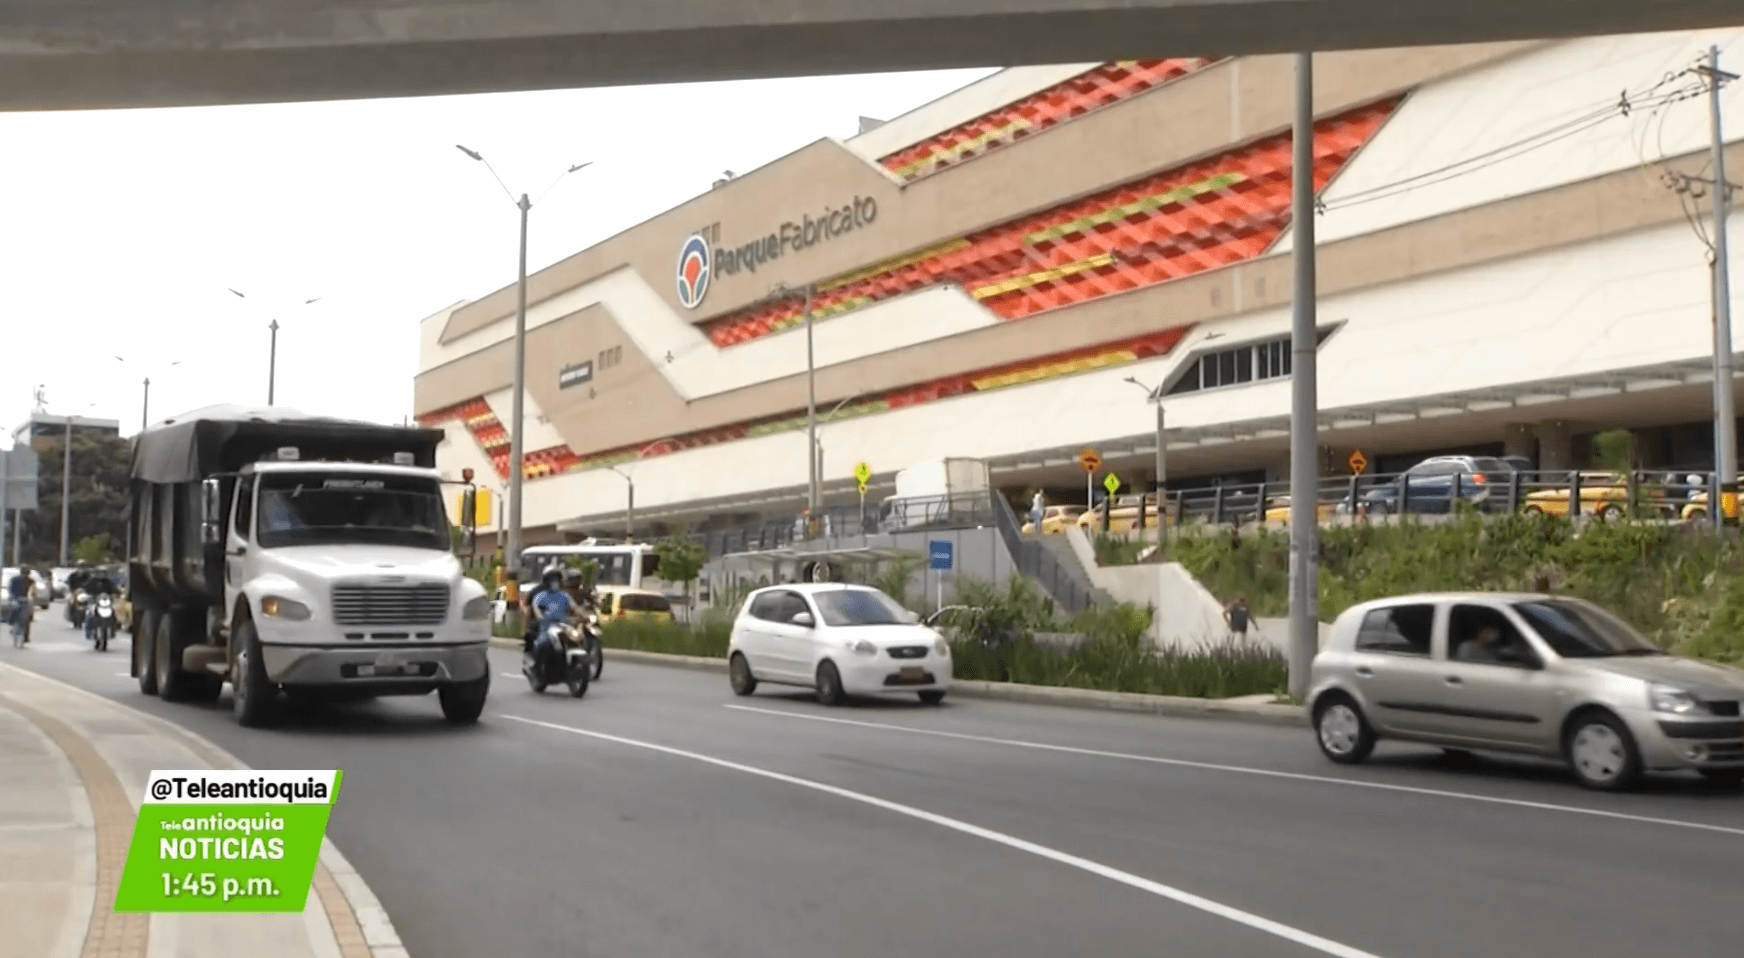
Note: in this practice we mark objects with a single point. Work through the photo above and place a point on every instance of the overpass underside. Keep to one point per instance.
(105, 54)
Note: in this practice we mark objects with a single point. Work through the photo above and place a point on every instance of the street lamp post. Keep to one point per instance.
(517, 430)
(783, 291)
(1162, 460)
(66, 483)
(272, 364)
(629, 507)
(145, 397)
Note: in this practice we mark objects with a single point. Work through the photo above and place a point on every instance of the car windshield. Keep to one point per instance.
(325, 509)
(1580, 630)
(841, 607)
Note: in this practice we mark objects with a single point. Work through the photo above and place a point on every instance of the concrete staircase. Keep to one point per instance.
(1061, 549)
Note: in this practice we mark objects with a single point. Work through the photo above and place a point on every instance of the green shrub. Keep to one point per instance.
(1113, 665)
(1671, 581)
(707, 639)
(1114, 550)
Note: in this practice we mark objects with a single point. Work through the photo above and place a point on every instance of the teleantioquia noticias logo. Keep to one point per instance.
(693, 271)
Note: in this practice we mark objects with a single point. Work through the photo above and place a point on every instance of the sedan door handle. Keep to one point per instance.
(1455, 680)
(241, 551)
(1365, 671)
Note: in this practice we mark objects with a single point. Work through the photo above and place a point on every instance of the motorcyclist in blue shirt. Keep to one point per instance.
(551, 604)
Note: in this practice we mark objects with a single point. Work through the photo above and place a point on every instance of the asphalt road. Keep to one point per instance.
(662, 816)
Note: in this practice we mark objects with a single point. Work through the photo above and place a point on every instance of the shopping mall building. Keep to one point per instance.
(1512, 257)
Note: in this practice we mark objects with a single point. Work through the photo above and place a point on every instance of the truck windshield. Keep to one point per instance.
(298, 509)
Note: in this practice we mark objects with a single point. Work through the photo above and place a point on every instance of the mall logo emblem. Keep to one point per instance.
(693, 271)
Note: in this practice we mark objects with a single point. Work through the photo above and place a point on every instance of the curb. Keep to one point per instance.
(380, 937)
(1264, 713)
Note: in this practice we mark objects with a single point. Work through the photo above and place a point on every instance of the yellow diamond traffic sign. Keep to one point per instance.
(1111, 482)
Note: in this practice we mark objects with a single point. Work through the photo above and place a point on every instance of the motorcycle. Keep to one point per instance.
(103, 624)
(77, 604)
(563, 657)
(590, 635)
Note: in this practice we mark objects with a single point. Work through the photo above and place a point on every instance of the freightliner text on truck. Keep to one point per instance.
(279, 551)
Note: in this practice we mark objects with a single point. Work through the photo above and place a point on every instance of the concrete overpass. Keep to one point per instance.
(100, 54)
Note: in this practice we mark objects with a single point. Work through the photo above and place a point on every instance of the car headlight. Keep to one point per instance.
(941, 647)
(1666, 698)
(864, 647)
(479, 608)
(281, 608)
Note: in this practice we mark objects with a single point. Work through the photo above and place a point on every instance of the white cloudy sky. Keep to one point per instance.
(123, 230)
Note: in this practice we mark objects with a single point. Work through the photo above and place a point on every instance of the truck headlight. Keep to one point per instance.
(479, 608)
(282, 608)
(1666, 698)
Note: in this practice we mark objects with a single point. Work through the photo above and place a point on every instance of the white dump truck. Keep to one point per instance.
(282, 552)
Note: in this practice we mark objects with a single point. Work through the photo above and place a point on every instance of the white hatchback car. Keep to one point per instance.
(842, 640)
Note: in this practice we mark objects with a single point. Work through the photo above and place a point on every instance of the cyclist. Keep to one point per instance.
(22, 591)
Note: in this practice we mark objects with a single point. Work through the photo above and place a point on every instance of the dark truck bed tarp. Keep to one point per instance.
(197, 444)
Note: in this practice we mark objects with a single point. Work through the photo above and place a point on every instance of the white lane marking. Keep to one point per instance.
(1246, 770)
(1251, 920)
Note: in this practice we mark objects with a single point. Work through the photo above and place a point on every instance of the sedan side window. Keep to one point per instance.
(767, 607)
(1398, 630)
(1481, 633)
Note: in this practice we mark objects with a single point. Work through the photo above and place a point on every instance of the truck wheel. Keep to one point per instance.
(144, 661)
(251, 694)
(174, 683)
(463, 703)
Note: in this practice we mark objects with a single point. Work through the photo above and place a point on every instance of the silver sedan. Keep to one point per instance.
(1525, 673)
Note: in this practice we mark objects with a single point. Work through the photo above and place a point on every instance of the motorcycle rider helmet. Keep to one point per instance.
(572, 578)
(552, 579)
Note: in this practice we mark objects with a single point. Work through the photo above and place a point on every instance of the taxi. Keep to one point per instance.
(1123, 517)
(616, 603)
(1602, 494)
(1055, 519)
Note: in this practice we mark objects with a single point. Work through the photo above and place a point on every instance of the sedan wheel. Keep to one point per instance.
(1343, 733)
(739, 673)
(829, 685)
(1603, 753)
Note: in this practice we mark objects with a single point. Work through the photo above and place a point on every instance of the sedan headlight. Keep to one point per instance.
(864, 647)
(1666, 698)
(479, 608)
(942, 647)
(282, 608)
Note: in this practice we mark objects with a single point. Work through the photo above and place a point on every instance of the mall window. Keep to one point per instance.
(1235, 365)
(611, 357)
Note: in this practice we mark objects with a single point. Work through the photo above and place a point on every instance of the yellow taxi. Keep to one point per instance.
(1602, 494)
(622, 602)
(1055, 519)
(1278, 510)
(1122, 518)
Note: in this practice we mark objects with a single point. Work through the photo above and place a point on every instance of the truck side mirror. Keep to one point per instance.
(211, 506)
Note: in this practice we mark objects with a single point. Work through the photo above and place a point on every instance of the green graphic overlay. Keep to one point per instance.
(226, 840)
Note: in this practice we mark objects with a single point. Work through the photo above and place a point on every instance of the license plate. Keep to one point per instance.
(912, 673)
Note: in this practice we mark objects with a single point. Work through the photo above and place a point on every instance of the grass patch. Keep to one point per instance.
(1682, 586)
(707, 639)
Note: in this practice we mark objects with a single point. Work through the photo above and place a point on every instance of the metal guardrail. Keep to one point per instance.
(1070, 592)
(915, 514)
(1644, 494)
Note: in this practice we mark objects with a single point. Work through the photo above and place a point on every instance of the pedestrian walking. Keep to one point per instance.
(1038, 507)
(1235, 614)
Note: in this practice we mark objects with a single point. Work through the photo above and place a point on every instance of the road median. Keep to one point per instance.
(1244, 709)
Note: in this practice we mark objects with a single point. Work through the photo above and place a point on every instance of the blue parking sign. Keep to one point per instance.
(939, 555)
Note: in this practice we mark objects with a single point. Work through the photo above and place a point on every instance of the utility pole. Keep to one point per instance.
(1305, 401)
(1725, 363)
(66, 483)
(811, 488)
(272, 363)
(145, 406)
(512, 556)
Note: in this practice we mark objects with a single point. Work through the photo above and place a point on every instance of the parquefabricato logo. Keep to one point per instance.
(693, 271)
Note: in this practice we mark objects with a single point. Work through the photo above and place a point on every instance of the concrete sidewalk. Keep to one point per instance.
(73, 767)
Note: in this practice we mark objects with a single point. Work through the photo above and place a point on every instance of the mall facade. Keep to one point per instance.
(1512, 256)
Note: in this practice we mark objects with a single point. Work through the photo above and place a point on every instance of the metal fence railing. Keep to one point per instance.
(913, 514)
(1645, 495)
(1069, 588)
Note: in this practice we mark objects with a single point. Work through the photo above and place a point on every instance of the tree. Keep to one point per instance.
(100, 478)
(681, 560)
(95, 550)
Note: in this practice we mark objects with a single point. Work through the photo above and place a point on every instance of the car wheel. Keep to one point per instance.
(1724, 777)
(462, 704)
(931, 697)
(1697, 515)
(829, 684)
(144, 658)
(1533, 510)
(739, 673)
(1344, 735)
(1610, 513)
(1602, 752)
(1378, 509)
(251, 693)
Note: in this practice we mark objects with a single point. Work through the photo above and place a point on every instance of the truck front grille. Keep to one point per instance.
(390, 604)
